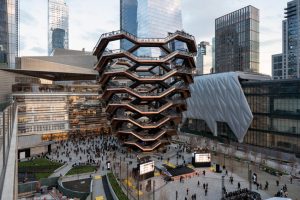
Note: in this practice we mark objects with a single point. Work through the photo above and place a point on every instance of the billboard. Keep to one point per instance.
(202, 157)
(146, 167)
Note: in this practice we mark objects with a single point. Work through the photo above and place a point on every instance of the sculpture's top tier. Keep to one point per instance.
(182, 36)
(145, 85)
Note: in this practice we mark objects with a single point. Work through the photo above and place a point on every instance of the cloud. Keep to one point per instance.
(26, 18)
(89, 19)
(38, 50)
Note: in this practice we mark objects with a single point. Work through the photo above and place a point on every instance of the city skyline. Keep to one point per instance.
(198, 19)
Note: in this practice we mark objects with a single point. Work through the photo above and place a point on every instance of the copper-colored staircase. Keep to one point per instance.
(145, 95)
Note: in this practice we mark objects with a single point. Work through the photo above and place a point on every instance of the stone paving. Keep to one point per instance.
(167, 190)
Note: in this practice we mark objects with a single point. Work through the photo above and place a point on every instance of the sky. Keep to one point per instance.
(88, 19)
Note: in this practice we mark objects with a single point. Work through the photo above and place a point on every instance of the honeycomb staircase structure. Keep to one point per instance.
(145, 94)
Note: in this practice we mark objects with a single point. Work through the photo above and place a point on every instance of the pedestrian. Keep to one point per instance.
(198, 183)
(205, 191)
(277, 183)
(187, 191)
(226, 172)
(267, 185)
(239, 185)
(204, 186)
(203, 172)
(257, 184)
(291, 179)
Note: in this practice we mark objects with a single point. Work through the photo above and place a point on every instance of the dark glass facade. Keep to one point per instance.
(128, 20)
(275, 105)
(8, 32)
(277, 70)
(237, 41)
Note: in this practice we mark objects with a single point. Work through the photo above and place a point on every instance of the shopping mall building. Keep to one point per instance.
(57, 97)
(260, 113)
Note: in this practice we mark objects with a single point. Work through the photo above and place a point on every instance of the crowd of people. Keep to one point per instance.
(90, 150)
(242, 194)
(283, 192)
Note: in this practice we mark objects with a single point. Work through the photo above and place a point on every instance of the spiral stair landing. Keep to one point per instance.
(145, 95)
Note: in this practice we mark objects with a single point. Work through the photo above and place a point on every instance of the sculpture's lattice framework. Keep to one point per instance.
(145, 95)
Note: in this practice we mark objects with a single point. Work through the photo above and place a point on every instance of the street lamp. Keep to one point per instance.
(127, 181)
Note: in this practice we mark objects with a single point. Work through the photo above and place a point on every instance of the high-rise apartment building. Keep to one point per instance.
(204, 58)
(237, 41)
(290, 43)
(9, 18)
(277, 69)
(128, 19)
(58, 25)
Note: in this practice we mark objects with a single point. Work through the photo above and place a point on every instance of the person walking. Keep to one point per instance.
(198, 183)
(239, 185)
(187, 191)
(277, 183)
(205, 191)
(267, 185)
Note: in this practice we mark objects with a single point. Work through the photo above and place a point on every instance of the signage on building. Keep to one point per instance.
(146, 167)
(202, 157)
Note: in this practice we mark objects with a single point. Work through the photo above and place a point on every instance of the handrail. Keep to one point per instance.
(118, 51)
(160, 40)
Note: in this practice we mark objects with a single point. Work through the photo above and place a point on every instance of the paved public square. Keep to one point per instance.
(87, 153)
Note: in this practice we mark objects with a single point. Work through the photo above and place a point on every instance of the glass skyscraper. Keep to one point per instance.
(58, 25)
(237, 41)
(150, 19)
(128, 20)
(8, 32)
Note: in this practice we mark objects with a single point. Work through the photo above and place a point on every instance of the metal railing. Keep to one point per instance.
(7, 121)
(140, 40)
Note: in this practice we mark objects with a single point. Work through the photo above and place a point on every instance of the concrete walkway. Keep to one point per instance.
(100, 188)
(62, 171)
(98, 191)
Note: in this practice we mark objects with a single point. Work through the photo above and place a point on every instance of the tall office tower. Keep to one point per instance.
(291, 41)
(237, 41)
(9, 19)
(156, 19)
(58, 25)
(277, 69)
(128, 20)
(213, 53)
(204, 58)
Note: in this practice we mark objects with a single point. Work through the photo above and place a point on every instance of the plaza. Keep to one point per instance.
(165, 189)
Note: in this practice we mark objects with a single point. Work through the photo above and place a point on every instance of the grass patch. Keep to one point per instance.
(117, 189)
(39, 167)
(81, 169)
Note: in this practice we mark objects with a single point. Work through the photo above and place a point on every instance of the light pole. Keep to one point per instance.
(120, 168)
(138, 182)
(249, 177)
(223, 186)
(127, 181)
(153, 189)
